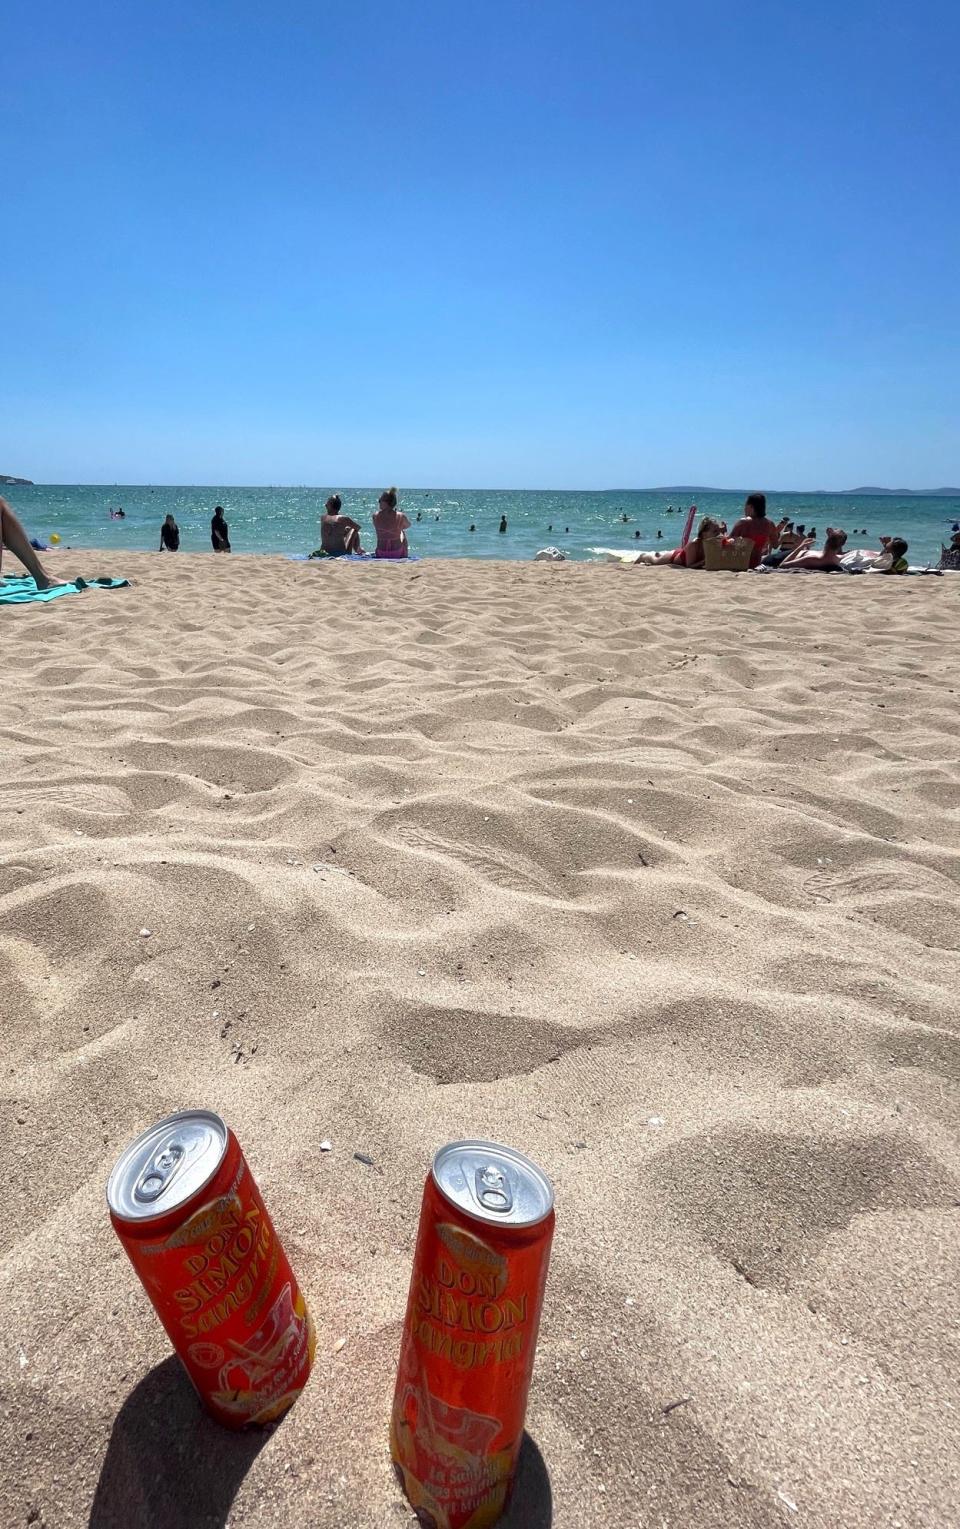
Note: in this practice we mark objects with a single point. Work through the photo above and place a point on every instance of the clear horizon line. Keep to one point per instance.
(946, 491)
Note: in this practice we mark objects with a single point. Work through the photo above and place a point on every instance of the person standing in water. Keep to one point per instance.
(390, 525)
(503, 524)
(219, 531)
(339, 535)
(169, 535)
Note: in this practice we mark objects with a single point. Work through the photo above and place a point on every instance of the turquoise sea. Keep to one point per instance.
(583, 525)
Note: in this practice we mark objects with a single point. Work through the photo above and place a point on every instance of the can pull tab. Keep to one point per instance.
(492, 1189)
(160, 1173)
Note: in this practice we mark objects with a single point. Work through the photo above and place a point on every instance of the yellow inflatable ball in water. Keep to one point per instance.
(55, 538)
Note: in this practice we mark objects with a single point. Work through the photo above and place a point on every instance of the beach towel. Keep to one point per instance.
(348, 557)
(23, 591)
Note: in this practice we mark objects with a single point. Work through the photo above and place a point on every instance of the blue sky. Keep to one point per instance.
(513, 245)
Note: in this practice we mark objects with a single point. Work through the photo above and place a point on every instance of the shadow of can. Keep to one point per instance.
(168, 1464)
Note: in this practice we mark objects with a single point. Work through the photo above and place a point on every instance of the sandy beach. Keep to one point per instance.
(652, 875)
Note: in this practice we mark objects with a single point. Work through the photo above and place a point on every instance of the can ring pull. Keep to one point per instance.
(155, 1179)
(492, 1189)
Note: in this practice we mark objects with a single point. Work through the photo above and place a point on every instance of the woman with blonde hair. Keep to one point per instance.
(690, 556)
(390, 525)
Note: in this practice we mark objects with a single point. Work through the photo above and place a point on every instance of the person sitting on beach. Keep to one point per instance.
(827, 561)
(690, 556)
(169, 535)
(390, 525)
(791, 538)
(755, 526)
(219, 531)
(950, 556)
(893, 558)
(339, 535)
(16, 540)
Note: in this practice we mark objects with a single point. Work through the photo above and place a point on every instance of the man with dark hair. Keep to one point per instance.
(219, 531)
(893, 558)
(339, 535)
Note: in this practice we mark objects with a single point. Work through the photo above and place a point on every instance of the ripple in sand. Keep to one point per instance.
(454, 1045)
(766, 1202)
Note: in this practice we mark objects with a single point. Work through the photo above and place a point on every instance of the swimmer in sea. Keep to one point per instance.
(503, 524)
(473, 528)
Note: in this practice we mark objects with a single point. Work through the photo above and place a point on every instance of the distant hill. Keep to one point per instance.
(19, 482)
(898, 493)
(908, 493)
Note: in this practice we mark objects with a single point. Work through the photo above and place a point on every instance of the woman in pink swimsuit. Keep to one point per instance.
(757, 528)
(390, 525)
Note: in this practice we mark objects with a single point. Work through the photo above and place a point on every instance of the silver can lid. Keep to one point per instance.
(493, 1183)
(166, 1166)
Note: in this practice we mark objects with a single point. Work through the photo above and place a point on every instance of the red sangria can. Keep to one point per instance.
(470, 1333)
(188, 1212)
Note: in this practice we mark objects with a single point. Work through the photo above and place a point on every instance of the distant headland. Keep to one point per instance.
(897, 493)
(17, 482)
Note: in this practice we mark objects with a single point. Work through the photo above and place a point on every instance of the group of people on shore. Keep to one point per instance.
(340, 534)
(783, 545)
(219, 533)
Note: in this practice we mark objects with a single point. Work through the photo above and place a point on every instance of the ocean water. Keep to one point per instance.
(583, 525)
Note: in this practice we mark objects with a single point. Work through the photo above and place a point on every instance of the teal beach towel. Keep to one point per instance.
(23, 591)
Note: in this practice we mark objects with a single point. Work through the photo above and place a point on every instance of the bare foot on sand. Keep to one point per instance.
(13, 535)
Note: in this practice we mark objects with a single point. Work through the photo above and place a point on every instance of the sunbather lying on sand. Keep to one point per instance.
(826, 561)
(690, 556)
(893, 558)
